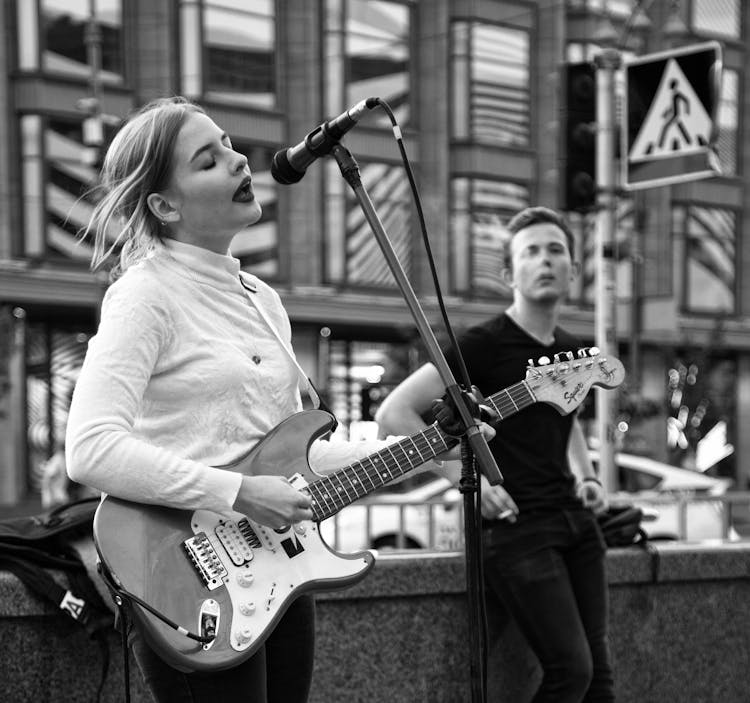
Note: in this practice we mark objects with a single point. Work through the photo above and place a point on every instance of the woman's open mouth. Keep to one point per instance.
(244, 194)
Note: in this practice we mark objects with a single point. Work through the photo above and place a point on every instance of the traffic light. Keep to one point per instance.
(578, 137)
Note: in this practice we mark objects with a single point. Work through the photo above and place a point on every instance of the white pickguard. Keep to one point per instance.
(279, 567)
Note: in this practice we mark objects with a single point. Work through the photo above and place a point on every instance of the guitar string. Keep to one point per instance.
(327, 493)
(358, 471)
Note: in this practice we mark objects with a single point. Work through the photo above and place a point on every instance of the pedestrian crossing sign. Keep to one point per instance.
(669, 129)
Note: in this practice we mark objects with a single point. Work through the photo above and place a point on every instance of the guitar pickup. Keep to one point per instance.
(238, 539)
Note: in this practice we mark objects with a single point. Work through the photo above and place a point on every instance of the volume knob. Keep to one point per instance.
(245, 578)
(247, 608)
(244, 635)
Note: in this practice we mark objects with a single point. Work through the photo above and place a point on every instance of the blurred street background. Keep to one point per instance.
(500, 105)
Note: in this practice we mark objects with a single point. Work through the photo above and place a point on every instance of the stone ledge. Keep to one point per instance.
(400, 574)
(402, 635)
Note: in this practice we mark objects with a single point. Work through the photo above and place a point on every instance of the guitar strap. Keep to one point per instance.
(306, 382)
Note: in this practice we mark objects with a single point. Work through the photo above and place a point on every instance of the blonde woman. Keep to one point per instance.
(185, 375)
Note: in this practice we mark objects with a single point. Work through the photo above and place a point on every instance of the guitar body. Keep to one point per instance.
(234, 576)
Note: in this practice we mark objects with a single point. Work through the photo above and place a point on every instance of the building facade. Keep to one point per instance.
(475, 90)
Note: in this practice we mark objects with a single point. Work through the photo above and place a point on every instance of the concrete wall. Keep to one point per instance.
(402, 635)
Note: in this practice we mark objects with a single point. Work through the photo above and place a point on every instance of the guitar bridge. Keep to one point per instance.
(207, 563)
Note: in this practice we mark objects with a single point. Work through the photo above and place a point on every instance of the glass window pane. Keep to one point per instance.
(388, 189)
(377, 55)
(498, 92)
(710, 266)
(64, 27)
(69, 177)
(478, 238)
(53, 360)
(720, 17)
(240, 48)
(728, 122)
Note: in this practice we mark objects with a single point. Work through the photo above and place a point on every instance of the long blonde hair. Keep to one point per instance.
(138, 162)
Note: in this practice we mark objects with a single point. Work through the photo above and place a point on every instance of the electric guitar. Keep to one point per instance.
(225, 582)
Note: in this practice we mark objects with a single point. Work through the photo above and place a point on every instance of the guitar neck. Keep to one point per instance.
(343, 486)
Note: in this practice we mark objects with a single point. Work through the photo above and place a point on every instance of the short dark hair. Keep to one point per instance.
(534, 216)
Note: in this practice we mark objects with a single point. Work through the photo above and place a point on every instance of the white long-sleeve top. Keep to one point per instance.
(182, 376)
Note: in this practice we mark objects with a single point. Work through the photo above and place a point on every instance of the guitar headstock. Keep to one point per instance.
(564, 380)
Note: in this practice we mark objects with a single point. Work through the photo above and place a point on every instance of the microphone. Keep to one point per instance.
(289, 165)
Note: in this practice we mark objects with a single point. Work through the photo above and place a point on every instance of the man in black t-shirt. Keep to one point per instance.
(544, 555)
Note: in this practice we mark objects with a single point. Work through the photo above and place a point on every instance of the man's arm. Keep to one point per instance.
(590, 488)
(402, 410)
(401, 413)
(578, 453)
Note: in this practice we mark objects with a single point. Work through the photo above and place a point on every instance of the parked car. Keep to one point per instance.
(661, 488)
(426, 510)
(422, 511)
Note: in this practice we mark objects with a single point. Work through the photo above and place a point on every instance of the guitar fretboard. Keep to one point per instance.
(342, 487)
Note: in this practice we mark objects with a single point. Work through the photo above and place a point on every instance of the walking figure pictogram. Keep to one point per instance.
(674, 115)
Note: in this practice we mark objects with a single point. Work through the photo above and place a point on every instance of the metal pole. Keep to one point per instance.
(607, 63)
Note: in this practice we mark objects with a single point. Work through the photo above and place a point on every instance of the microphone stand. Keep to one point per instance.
(473, 444)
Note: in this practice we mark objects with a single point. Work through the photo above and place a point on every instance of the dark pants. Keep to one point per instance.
(280, 672)
(549, 570)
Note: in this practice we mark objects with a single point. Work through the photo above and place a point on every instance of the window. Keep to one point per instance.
(359, 375)
(65, 27)
(717, 17)
(491, 100)
(479, 210)
(708, 237)
(354, 256)
(54, 355)
(239, 51)
(57, 180)
(726, 117)
(377, 56)
(367, 53)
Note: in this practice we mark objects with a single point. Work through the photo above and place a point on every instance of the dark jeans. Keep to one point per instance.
(280, 672)
(549, 570)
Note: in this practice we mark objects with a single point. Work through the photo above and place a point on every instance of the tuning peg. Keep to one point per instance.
(583, 352)
(594, 351)
(544, 361)
(563, 356)
(530, 363)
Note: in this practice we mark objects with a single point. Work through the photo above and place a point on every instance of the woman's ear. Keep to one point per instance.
(161, 208)
(575, 269)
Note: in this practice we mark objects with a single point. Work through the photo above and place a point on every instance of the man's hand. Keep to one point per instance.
(497, 503)
(593, 495)
(449, 419)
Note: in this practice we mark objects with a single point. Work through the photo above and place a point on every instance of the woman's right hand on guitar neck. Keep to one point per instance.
(272, 501)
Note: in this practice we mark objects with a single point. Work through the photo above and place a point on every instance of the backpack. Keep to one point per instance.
(31, 545)
(621, 525)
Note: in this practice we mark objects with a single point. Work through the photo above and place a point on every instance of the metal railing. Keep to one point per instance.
(437, 524)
